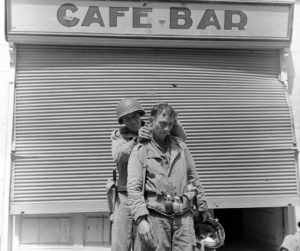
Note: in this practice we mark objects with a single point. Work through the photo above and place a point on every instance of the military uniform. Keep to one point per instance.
(291, 243)
(123, 140)
(123, 228)
(165, 175)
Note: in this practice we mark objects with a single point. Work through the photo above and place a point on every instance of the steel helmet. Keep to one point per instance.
(127, 106)
(209, 234)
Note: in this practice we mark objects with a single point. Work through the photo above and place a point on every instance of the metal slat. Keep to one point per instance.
(231, 104)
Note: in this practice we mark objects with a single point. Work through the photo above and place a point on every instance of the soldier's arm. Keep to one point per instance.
(121, 148)
(135, 183)
(194, 179)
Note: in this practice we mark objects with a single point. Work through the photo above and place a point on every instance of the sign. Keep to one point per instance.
(151, 19)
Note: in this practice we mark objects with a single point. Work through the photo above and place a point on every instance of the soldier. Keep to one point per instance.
(129, 113)
(291, 242)
(163, 185)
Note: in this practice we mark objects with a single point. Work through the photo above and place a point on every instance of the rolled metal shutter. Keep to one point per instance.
(230, 102)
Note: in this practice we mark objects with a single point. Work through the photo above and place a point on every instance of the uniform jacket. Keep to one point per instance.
(122, 144)
(160, 180)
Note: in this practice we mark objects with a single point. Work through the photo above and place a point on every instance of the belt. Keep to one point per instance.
(177, 205)
(168, 215)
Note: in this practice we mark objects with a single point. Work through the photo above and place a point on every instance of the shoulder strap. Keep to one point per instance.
(144, 173)
(144, 178)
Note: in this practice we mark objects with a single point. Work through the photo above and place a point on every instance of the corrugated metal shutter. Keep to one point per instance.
(231, 104)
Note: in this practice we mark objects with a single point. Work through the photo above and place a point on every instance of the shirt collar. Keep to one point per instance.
(156, 152)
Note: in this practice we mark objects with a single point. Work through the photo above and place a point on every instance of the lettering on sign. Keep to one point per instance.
(179, 18)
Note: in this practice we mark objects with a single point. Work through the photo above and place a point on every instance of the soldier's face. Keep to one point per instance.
(162, 125)
(132, 121)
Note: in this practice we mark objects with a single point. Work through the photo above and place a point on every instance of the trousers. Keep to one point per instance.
(172, 234)
(123, 235)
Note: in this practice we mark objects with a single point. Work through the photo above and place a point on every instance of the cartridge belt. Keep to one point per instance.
(171, 205)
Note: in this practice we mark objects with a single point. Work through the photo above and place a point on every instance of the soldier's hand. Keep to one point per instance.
(144, 133)
(145, 232)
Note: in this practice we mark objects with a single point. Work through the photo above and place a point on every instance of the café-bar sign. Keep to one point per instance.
(151, 19)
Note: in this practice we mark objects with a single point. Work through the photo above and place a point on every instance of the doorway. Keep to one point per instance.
(251, 229)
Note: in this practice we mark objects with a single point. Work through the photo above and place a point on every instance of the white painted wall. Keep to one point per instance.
(295, 95)
(4, 89)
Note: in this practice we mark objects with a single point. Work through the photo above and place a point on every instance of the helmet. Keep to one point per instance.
(209, 234)
(127, 106)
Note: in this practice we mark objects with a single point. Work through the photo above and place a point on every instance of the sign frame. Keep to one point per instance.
(157, 40)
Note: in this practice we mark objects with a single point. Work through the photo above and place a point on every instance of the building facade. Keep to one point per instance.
(226, 66)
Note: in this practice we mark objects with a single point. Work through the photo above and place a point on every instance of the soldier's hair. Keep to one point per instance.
(163, 107)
